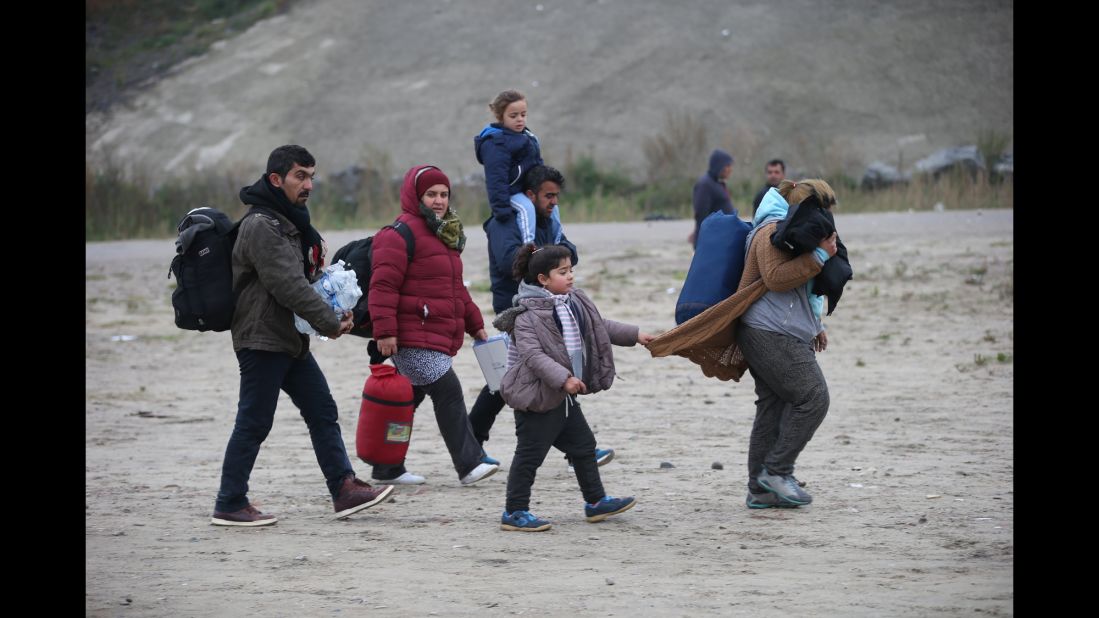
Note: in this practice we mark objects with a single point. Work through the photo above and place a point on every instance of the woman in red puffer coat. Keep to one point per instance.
(419, 311)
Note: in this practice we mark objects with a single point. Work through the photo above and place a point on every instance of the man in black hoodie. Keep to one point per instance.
(276, 257)
(710, 194)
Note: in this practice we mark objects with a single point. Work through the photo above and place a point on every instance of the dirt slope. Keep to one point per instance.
(822, 86)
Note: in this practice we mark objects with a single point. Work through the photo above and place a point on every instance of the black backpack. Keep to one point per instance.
(358, 255)
(204, 298)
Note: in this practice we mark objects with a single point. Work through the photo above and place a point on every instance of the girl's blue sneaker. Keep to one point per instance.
(522, 521)
(608, 506)
(489, 460)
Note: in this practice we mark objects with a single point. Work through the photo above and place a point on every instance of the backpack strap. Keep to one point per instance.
(254, 209)
(247, 277)
(410, 246)
(410, 241)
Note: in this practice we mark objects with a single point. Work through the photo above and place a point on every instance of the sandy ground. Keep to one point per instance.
(911, 471)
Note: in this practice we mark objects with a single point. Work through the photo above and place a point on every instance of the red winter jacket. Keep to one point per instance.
(400, 290)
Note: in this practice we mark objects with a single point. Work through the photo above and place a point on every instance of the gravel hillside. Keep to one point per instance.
(823, 85)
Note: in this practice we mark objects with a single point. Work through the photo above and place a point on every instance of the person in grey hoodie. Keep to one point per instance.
(561, 348)
(779, 335)
(710, 194)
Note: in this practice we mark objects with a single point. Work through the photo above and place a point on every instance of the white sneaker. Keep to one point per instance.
(482, 471)
(405, 479)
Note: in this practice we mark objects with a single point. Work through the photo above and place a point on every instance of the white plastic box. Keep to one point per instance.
(492, 355)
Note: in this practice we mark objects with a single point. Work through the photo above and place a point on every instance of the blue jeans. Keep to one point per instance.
(262, 376)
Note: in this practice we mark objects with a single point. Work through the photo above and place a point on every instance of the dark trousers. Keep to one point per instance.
(262, 376)
(536, 432)
(792, 399)
(484, 412)
(450, 414)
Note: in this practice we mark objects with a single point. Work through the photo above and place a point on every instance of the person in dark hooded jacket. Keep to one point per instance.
(710, 193)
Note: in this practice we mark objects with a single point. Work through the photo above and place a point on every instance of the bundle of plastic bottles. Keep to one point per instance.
(339, 287)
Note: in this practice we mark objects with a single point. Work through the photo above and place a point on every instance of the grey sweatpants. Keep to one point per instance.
(793, 399)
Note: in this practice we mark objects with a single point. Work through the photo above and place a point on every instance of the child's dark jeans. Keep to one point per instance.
(565, 428)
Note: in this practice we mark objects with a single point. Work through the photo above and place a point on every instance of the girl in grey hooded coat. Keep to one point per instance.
(561, 348)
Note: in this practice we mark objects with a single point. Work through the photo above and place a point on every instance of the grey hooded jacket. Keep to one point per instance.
(535, 382)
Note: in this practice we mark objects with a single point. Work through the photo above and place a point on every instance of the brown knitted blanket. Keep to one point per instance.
(709, 338)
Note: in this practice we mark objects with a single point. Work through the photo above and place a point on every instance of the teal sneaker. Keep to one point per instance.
(784, 486)
(766, 500)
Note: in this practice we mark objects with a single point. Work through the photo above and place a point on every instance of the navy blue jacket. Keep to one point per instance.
(507, 156)
(710, 194)
(759, 198)
(503, 241)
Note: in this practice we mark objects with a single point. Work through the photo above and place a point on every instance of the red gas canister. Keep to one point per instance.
(385, 419)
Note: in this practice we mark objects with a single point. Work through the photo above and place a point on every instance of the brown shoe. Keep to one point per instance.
(248, 516)
(356, 495)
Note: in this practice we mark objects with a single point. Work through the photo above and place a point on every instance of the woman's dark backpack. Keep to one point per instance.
(358, 255)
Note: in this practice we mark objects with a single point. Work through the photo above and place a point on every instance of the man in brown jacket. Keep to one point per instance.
(276, 256)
